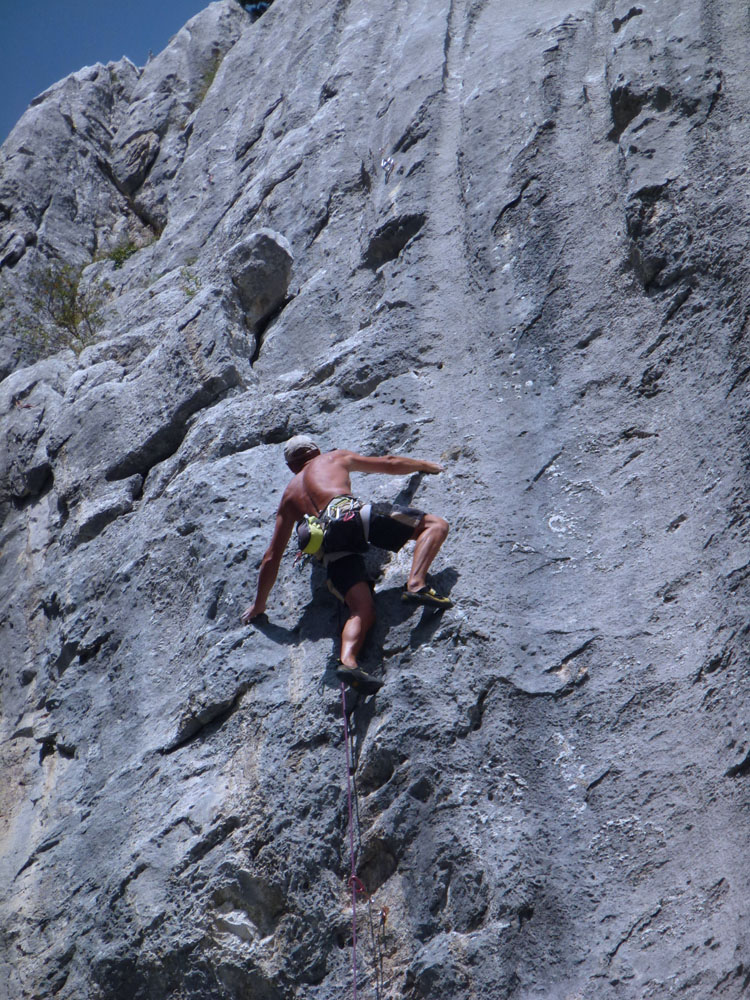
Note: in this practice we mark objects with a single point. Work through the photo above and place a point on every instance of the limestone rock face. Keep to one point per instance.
(509, 237)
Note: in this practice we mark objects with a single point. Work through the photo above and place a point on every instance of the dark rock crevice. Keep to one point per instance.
(145, 217)
(166, 440)
(38, 482)
(476, 712)
(33, 858)
(391, 239)
(418, 128)
(206, 721)
(255, 133)
(739, 770)
(513, 203)
(620, 22)
(263, 325)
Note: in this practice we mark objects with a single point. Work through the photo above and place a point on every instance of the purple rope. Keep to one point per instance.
(353, 878)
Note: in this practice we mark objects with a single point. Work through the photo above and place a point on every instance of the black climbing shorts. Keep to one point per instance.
(345, 572)
(391, 527)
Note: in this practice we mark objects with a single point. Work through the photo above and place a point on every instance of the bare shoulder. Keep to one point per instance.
(289, 506)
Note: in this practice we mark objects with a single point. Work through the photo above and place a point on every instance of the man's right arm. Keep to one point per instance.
(390, 465)
(269, 566)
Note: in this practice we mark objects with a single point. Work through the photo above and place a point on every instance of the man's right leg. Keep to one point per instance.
(361, 605)
(360, 602)
(430, 534)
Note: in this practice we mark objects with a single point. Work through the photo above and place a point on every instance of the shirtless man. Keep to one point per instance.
(320, 479)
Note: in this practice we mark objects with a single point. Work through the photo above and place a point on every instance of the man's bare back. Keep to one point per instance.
(322, 479)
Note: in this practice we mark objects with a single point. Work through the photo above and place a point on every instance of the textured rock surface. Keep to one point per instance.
(511, 235)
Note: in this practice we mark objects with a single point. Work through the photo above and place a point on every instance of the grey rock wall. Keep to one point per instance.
(509, 237)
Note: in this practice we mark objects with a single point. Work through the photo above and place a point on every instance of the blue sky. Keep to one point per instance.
(41, 41)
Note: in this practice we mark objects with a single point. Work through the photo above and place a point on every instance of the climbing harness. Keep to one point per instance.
(346, 522)
(342, 527)
(355, 884)
(340, 507)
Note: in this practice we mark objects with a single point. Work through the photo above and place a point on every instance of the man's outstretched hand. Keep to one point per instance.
(252, 611)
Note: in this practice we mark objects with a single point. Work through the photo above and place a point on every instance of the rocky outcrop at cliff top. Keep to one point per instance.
(509, 237)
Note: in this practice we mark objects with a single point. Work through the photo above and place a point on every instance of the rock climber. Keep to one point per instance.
(321, 487)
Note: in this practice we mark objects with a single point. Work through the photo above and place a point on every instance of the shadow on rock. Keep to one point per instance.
(363, 711)
(393, 611)
(324, 617)
(314, 624)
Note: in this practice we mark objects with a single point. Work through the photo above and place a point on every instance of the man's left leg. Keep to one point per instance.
(392, 526)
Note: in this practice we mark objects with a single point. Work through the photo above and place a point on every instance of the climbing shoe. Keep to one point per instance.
(427, 596)
(358, 679)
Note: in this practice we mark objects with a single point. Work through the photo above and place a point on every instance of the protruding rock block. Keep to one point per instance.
(260, 268)
(132, 162)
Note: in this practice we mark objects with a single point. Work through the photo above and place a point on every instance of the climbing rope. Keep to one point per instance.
(353, 880)
(355, 883)
(375, 940)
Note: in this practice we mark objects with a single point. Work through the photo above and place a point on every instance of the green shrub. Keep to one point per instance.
(121, 252)
(208, 78)
(190, 282)
(63, 314)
